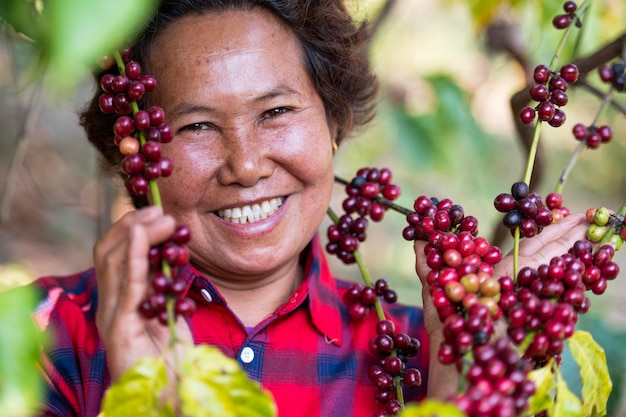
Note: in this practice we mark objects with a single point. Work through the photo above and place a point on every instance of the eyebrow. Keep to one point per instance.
(189, 108)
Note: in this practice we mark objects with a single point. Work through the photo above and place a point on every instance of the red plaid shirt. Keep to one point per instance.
(308, 354)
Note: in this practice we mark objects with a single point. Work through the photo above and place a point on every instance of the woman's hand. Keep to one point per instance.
(121, 261)
(555, 240)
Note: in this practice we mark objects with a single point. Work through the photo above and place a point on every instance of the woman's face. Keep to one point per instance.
(252, 150)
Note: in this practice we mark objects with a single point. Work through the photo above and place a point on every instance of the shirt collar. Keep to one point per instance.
(318, 286)
(323, 297)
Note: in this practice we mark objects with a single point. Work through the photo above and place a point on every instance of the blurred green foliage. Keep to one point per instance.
(20, 380)
(69, 36)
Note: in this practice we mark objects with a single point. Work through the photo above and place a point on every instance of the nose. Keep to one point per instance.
(246, 158)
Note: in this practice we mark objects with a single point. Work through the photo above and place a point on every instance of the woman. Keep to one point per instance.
(258, 94)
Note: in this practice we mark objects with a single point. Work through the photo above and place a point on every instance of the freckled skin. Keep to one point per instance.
(220, 77)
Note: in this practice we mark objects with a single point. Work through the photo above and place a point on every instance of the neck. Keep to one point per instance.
(254, 299)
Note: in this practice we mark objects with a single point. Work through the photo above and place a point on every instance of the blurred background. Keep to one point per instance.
(448, 71)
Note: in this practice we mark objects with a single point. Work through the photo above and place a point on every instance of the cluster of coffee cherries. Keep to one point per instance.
(465, 331)
(432, 216)
(392, 349)
(361, 298)
(175, 254)
(139, 134)
(467, 297)
(366, 190)
(563, 21)
(550, 91)
(544, 302)
(525, 210)
(462, 287)
(370, 194)
(497, 382)
(601, 220)
(614, 74)
(120, 87)
(592, 136)
(367, 193)
(345, 235)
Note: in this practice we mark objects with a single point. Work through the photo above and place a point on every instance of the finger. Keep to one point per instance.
(129, 260)
(109, 255)
(134, 285)
(119, 230)
(421, 266)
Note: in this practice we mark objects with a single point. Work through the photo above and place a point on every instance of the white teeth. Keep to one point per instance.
(266, 209)
(250, 214)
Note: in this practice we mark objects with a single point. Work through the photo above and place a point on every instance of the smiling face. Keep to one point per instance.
(252, 148)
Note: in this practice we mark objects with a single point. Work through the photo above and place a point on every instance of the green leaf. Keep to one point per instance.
(211, 384)
(22, 16)
(566, 404)
(138, 391)
(78, 32)
(594, 373)
(20, 380)
(545, 385)
(431, 408)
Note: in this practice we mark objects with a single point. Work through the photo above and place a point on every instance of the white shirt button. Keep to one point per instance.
(247, 355)
(206, 295)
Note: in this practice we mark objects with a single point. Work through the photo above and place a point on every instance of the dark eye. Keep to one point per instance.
(194, 127)
(270, 114)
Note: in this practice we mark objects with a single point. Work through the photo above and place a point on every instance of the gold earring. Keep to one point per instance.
(335, 147)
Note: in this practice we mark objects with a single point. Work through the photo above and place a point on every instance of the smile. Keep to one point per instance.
(251, 213)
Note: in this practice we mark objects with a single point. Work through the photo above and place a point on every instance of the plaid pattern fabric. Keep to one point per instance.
(308, 354)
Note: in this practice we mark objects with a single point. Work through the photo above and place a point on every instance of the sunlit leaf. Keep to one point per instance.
(20, 381)
(138, 391)
(211, 384)
(545, 384)
(364, 10)
(594, 373)
(78, 32)
(566, 403)
(431, 408)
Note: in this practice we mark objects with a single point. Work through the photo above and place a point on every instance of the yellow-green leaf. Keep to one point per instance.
(212, 384)
(20, 381)
(431, 408)
(594, 373)
(566, 404)
(138, 391)
(545, 385)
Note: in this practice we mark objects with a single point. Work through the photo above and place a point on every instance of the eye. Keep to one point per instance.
(273, 113)
(195, 127)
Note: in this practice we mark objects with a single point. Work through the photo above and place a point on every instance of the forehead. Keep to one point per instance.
(210, 35)
(230, 54)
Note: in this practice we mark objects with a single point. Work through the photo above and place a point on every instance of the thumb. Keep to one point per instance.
(421, 266)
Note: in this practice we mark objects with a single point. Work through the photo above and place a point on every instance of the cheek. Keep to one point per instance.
(192, 168)
(308, 150)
